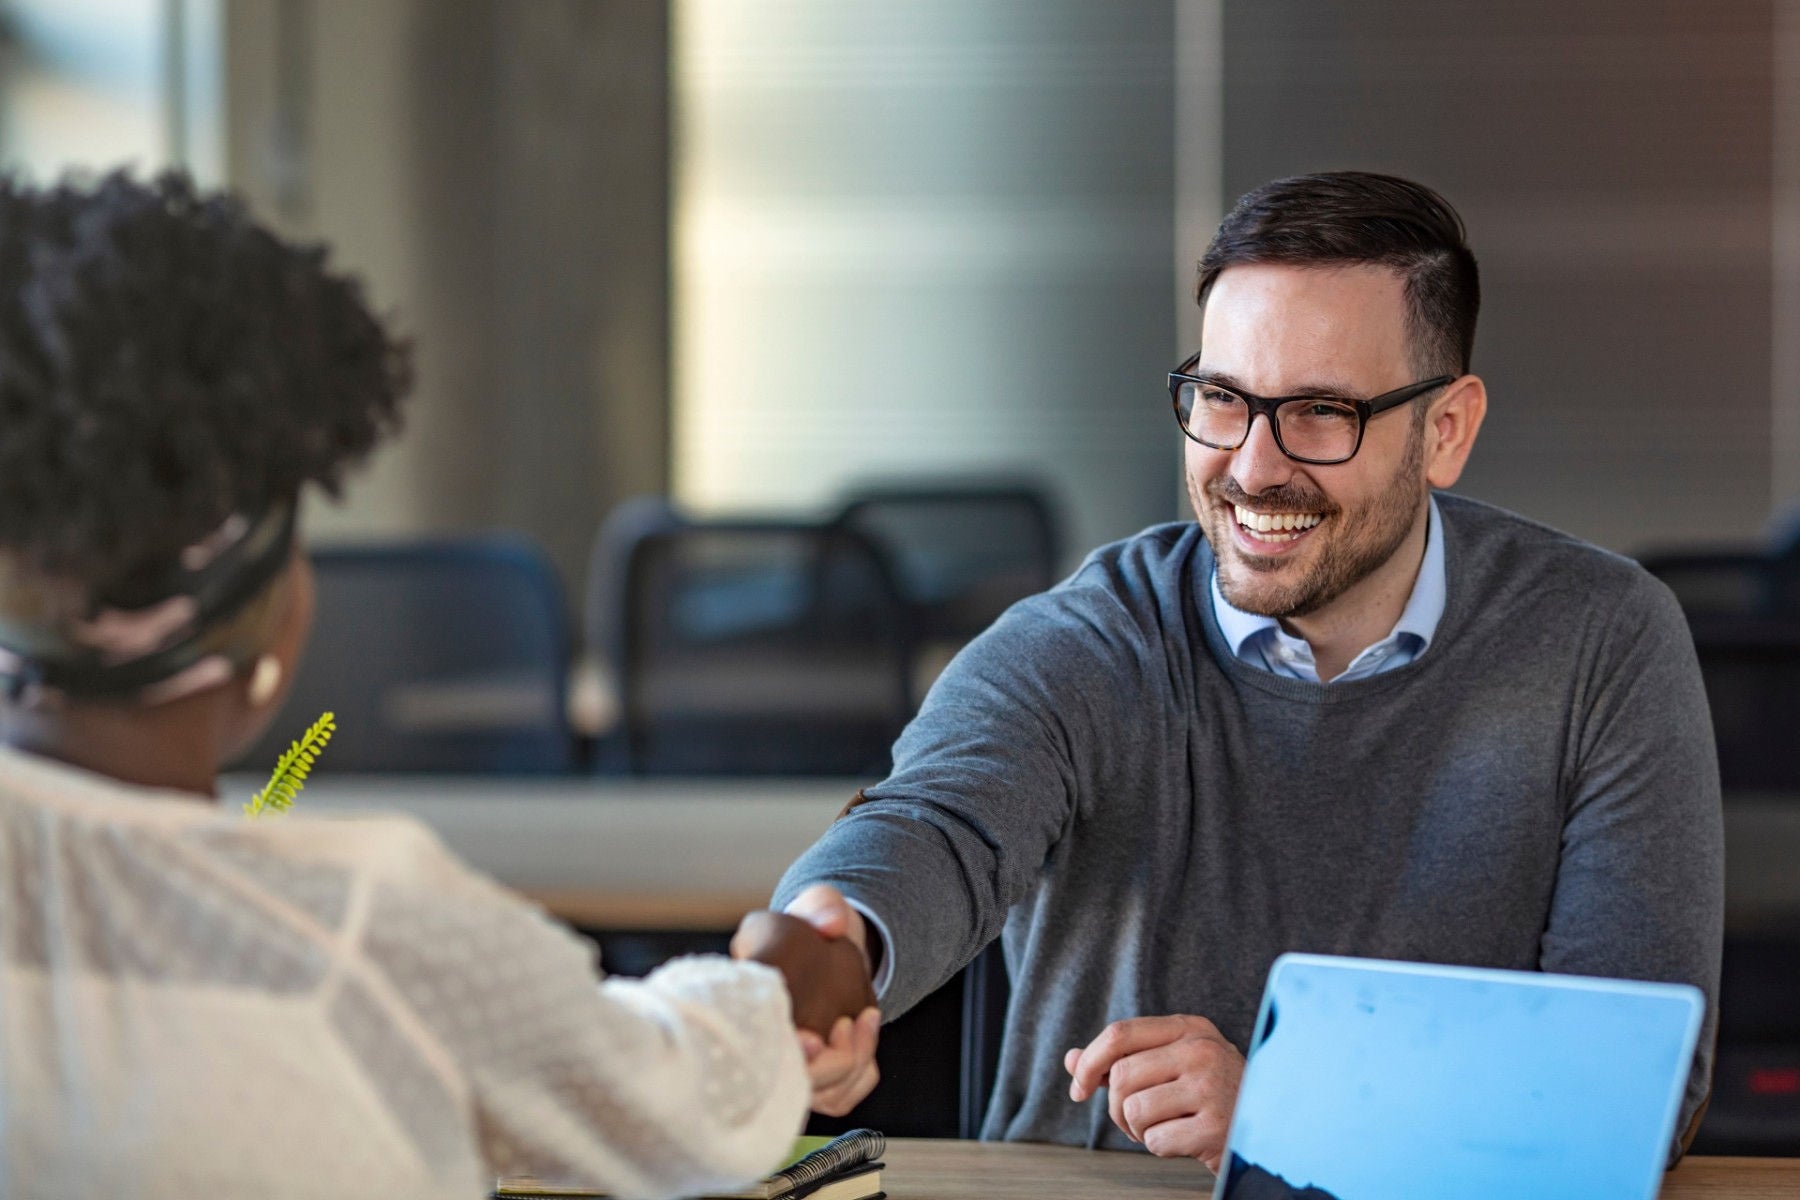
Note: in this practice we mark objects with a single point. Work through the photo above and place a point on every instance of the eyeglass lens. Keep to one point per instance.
(1313, 428)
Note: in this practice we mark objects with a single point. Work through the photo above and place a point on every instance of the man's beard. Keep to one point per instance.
(1359, 542)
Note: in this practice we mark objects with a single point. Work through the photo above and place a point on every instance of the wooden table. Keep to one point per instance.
(606, 852)
(1733, 1179)
(947, 1170)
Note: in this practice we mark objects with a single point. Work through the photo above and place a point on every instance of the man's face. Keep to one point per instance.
(1279, 330)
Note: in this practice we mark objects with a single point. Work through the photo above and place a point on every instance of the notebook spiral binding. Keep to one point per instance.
(849, 1149)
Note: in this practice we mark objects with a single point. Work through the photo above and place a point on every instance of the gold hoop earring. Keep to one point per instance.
(265, 680)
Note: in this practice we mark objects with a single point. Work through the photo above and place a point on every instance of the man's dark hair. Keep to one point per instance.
(1345, 217)
(166, 362)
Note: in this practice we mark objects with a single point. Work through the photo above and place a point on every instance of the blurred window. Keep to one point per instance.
(95, 84)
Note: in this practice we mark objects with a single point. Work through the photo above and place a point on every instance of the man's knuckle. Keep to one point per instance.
(1200, 1052)
(1160, 1140)
(1111, 1038)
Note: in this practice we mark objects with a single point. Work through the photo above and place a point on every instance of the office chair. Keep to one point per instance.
(938, 1060)
(448, 655)
(985, 993)
(757, 647)
(1751, 669)
(603, 615)
(596, 707)
(961, 553)
(1710, 583)
(1755, 1106)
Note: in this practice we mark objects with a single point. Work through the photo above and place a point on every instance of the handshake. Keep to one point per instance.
(827, 978)
(820, 947)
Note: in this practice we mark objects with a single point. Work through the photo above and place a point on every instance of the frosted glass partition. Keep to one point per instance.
(925, 239)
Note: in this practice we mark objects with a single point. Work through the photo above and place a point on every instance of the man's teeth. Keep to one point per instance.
(1275, 522)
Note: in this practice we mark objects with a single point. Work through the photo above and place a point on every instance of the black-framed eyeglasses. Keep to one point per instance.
(1320, 430)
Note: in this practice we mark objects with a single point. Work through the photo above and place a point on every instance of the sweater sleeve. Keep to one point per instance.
(1640, 886)
(685, 1082)
(985, 783)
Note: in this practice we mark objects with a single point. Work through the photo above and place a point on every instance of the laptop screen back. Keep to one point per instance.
(1369, 1080)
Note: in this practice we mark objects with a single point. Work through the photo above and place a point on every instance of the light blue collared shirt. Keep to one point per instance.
(1264, 644)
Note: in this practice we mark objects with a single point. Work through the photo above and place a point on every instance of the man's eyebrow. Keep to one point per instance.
(1331, 391)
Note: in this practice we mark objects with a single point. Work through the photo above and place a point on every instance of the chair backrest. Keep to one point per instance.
(1755, 1106)
(756, 647)
(986, 992)
(1725, 582)
(603, 610)
(961, 554)
(1782, 533)
(1751, 668)
(445, 655)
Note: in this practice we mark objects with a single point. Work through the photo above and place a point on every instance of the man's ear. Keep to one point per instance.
(1450, 428)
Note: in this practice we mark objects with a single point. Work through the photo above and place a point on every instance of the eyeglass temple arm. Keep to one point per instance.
(1411, 391)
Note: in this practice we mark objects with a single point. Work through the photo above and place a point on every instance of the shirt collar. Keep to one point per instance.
(1424, 608)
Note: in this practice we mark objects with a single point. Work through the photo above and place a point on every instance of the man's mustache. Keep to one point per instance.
(1287, 498)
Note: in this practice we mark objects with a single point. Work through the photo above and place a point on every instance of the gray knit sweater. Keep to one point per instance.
(1153, 821)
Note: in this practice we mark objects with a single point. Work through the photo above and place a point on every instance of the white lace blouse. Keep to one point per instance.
(197, 1005)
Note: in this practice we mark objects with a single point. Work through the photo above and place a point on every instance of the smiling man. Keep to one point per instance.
(1344, 712)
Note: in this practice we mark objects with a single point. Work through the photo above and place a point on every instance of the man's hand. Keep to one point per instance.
(842, 1070)
(825, 909)
(1171, 1083)
(842, 1067)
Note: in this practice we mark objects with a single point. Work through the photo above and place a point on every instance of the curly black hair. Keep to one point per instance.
(165, 361)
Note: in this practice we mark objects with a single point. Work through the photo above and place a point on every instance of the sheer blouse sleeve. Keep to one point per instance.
(687, 1081)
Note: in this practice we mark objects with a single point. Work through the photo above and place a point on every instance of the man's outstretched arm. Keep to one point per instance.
(922, 869)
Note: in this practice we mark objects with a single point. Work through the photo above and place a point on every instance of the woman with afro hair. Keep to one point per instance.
(197, 1004)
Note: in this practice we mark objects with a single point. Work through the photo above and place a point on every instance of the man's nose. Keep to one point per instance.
(1259, 464)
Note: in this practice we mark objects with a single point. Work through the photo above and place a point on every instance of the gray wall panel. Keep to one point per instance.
(1612, 161)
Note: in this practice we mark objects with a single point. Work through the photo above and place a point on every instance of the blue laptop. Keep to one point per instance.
(1372, 1080)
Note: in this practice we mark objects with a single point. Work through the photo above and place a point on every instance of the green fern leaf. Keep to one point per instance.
(292, 769)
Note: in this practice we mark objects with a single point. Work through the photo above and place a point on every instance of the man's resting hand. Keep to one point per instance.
(1171, 1083)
